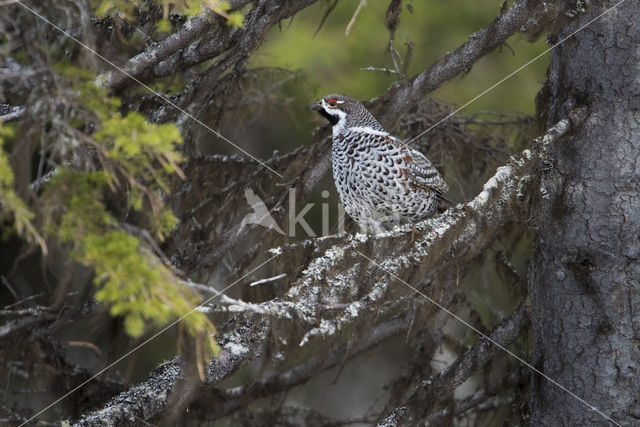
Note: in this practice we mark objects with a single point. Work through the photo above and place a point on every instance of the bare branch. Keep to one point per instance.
(478, 397)
(354, 17)
(330, 9)
(239, 397)
(187, 47)
(10, 113)
(524, 15)
(141, 65)
(442, 385)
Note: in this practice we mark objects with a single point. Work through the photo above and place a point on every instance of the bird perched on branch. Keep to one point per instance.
(381, 181)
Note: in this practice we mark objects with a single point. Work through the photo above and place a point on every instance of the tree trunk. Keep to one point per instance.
(584, 279)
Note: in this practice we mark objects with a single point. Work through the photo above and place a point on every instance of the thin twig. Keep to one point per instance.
(355, 16)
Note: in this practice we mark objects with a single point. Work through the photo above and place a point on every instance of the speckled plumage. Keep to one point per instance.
(381, 182)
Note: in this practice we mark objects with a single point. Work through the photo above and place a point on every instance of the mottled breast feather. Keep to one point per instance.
(381, 181)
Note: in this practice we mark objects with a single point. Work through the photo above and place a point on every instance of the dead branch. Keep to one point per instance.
(141, 65)
(232, 400)
(147, 399)
(11, 113)
(441, 386)
(192, 45)
(441, 240)
(524, 15)
(480, 396)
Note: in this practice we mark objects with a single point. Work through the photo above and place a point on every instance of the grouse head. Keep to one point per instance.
(345, 112)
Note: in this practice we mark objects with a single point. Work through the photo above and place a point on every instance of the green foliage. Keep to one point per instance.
(135, 143)
(124, 270)
(92, 97)
(163, 25)
(138, 159)
(169, 85)
(126, 9)
(80, 193)
(135, 148)
(130, 279)
(6, 174)
(235, 19)
(130, 149)
(10, 204)
(104, 8)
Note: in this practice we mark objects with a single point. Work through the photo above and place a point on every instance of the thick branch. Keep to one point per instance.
(461, 59)
(141, 402)
(189, 46)
(34, 318)
(144, 401)
(436, 245)
(141, 65)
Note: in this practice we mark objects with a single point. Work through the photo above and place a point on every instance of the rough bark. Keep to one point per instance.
(584, 278)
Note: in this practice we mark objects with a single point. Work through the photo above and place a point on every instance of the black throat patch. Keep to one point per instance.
(332, 119)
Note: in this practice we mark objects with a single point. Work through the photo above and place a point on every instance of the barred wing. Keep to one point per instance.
(423, 172)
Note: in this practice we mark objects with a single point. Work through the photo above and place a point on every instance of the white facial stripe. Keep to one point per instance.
(342, 116)
(333, 111)
(367, 129)
(342, 120)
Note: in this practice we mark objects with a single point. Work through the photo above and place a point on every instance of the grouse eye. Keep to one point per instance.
(332, 102)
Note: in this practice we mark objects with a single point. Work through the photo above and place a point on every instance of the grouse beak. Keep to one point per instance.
(316, 107)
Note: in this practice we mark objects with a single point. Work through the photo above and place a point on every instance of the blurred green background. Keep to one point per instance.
(332, 61)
